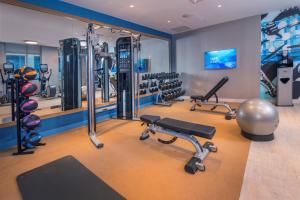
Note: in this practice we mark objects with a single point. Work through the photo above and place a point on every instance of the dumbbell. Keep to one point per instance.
(152, 84)
(174, 85)
(177, 94)
(160, 86)
(163, 96)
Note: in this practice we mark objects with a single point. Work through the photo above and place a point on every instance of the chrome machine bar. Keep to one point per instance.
(91, 42)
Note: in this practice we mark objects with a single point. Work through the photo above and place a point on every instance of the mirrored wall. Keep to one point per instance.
(37, 39)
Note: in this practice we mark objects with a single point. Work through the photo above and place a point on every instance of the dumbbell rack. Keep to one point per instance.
(167, 85)
(149, 84)
(167, 95)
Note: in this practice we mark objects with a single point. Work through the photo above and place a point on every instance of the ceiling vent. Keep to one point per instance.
(181, 29)
(186, 16)
(195, 1)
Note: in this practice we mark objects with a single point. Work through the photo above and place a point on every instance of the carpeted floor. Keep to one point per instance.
(144, 169)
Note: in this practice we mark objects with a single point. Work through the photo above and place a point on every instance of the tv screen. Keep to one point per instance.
(223, 59)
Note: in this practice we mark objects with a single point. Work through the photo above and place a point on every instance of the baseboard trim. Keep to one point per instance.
(296, 101)
(222, 99)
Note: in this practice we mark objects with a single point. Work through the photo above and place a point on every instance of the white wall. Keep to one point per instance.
(244, 81)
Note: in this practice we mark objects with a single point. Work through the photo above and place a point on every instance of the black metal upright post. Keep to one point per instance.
(12, 92)
(20, 150)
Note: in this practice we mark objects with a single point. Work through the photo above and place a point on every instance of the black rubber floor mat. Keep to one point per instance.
(64, 179)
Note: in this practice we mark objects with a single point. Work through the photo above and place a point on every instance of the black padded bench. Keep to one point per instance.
(200, 100)
(188, 128)
(184, 130)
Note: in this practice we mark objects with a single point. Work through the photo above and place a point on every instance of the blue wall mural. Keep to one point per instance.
(280, 40)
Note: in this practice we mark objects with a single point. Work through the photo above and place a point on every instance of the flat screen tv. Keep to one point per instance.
(223, 59)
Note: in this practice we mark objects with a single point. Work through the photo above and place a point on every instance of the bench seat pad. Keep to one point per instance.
(187, 127)
(198, 97)
(149, 119)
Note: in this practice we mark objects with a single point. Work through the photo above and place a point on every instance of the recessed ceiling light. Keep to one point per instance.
(96, 27)
(131, 6)
(219, 6)
(30, 42)
(169, 21)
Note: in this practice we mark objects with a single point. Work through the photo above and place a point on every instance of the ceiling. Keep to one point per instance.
(156, 13)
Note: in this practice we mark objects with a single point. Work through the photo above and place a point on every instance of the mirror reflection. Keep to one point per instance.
(57, 51)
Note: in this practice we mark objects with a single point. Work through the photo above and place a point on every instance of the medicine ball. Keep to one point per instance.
(30, 140)
(27, 73)
(29, 105)
(29, 89)
(30, 122)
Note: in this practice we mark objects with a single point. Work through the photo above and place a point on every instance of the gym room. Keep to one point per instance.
(173, 99)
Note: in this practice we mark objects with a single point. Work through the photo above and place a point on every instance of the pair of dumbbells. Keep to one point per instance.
(143, 92)
(153, 84)
(154, 89)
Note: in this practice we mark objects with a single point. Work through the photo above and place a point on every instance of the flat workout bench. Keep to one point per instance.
(184, 130)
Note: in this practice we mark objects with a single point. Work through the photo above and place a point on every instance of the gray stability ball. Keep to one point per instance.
(258, 119)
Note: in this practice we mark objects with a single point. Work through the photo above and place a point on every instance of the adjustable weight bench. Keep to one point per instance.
(184, 130)
(200, 100)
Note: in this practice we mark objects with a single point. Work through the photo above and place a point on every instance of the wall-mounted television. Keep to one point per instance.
(222, 59)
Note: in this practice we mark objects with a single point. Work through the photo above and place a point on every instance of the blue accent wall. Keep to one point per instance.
(62, 123)
(93, 15)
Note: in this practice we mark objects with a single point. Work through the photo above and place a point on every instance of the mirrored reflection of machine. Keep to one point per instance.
(7, 81)
(71, 73)
(103, 64)
(46, 90)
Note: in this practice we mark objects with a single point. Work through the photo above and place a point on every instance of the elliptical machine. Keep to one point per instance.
(8, 69)
(46, 91)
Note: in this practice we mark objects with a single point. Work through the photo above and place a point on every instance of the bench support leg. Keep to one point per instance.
(196, 163)
(145, 135)
(231, 114)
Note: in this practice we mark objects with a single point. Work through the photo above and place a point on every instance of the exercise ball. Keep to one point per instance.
(258, 119)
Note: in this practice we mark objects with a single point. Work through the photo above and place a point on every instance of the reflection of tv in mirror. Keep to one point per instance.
(223, 59)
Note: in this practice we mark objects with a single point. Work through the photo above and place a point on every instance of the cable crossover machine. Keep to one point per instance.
(128, 99)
